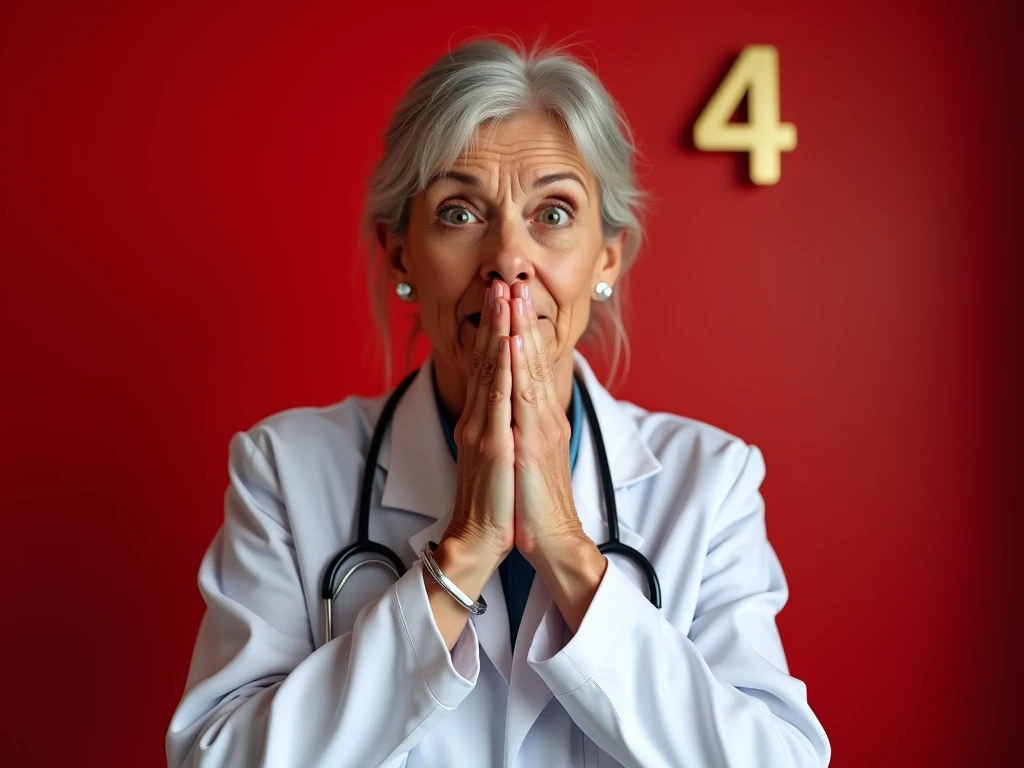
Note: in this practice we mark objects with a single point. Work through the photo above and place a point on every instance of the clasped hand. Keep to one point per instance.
(514, 483)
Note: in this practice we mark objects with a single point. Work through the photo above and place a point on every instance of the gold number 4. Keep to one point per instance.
(756, 74)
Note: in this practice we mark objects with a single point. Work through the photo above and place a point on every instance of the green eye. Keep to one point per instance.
(556, 215)
(461, 217)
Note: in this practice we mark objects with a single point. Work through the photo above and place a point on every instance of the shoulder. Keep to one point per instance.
(305, 432)
(697, 455)
(296, 445)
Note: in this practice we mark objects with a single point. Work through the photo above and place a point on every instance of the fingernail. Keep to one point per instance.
(519, 342)
(504, 345)
(526, 294)
(497, 308)
(521, 307)
(499, 292)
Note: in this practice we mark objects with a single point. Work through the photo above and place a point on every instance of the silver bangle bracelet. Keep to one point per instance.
(427, 558)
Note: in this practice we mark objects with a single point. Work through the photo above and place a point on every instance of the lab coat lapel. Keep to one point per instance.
(631, 460)
(420, 471)
(629, 457)
(421, 478)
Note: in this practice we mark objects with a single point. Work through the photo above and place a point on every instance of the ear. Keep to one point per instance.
(609, 260)
(393, 248)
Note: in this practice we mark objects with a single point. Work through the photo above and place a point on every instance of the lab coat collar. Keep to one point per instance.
(421, 479)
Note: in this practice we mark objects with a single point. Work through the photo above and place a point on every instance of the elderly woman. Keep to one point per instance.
(581, 582)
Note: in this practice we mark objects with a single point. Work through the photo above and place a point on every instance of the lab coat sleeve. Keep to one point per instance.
(259, 694)
(650, 695)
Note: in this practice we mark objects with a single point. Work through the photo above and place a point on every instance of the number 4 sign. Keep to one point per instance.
(755, 74)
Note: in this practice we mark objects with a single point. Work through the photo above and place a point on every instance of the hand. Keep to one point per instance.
(483, 519)
(545, 515)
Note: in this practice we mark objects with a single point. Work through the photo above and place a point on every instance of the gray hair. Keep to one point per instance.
(483, 82)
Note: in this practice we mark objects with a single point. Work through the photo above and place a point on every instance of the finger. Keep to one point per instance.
(540, 345)
(499, 417)
(499, 328)
(535, 363)
(479, 352)
(525, 397)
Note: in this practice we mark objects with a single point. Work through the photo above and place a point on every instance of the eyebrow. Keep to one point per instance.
(541, 181)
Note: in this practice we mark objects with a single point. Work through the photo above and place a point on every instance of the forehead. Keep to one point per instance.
(526, 146)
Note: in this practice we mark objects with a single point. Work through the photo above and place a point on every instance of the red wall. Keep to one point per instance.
(180, 192)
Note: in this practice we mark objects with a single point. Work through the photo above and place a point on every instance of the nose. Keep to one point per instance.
(507, 256)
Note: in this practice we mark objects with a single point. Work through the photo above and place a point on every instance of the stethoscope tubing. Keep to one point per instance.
(387, 557)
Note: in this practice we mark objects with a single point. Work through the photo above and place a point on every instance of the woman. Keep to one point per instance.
(505, 207)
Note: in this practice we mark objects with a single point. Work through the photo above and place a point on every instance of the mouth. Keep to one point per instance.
(474, 319)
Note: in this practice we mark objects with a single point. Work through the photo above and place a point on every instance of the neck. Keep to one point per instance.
(451, 384)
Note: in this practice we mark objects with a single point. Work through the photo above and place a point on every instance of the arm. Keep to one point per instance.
(651, 696)
(257, 691)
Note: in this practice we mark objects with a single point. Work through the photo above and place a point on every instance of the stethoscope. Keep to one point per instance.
(387, 558)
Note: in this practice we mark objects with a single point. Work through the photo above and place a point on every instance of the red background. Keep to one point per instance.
(181, 186)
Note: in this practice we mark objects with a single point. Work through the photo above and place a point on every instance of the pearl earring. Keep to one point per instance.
(404, 291)
(603, 291)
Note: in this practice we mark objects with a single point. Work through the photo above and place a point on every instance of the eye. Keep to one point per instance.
(461, 217)
(557, 215)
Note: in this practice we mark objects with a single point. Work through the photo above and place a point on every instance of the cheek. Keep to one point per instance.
(438, 262)
(571, 323)
(575, 300)
(549, 332)
(568, 281)
(442, 280)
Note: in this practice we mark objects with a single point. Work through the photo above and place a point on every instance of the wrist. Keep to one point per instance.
(467, 564)
(473, 541)
(553, 542)
(575, 554)
(572, 570)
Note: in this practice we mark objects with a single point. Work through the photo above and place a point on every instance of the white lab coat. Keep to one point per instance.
(702, 682)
